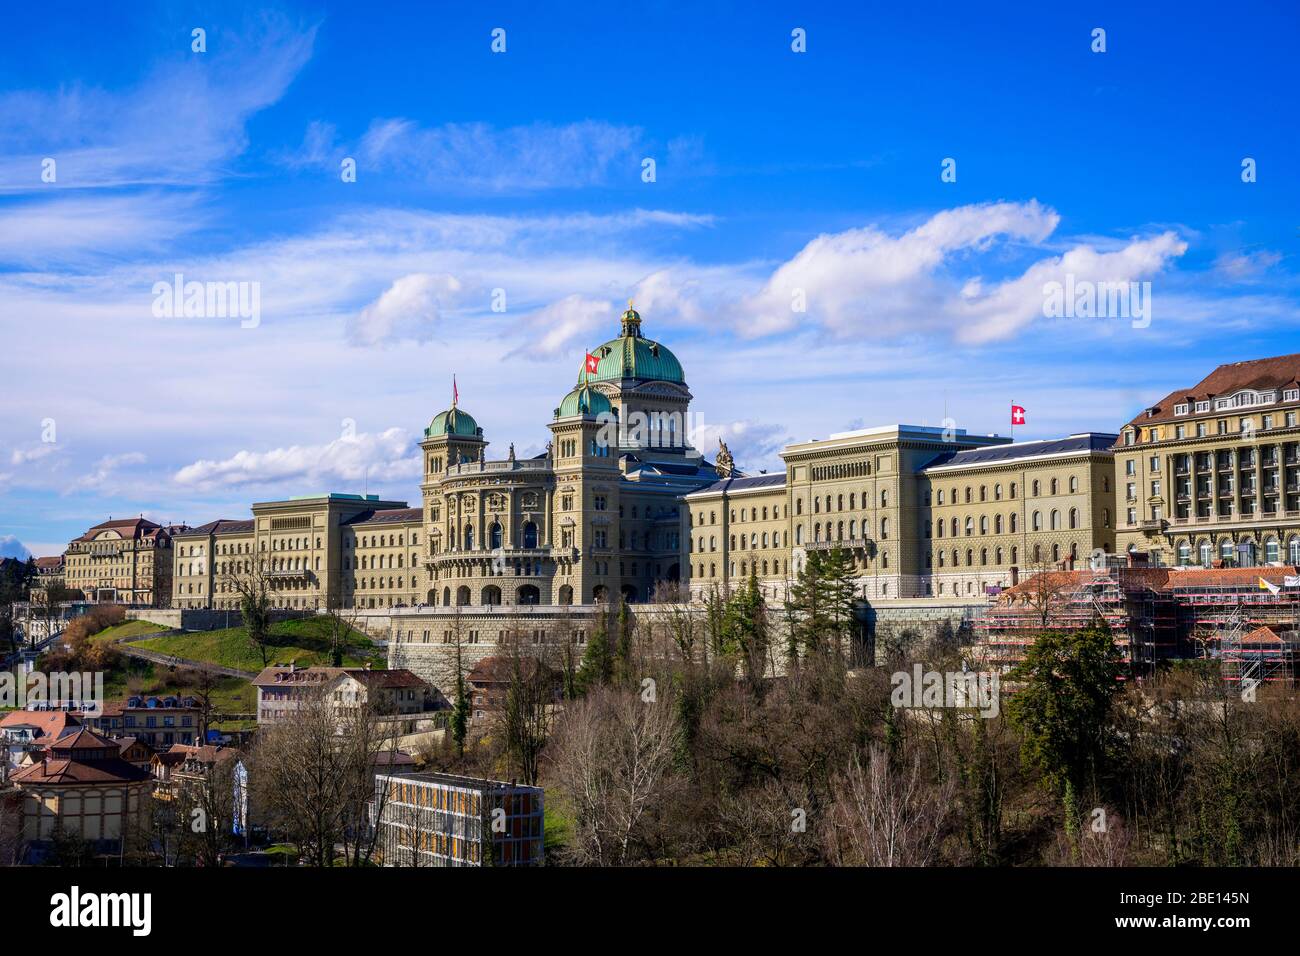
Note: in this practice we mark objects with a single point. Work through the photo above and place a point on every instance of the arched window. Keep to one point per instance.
(528, 594)
(462, 595)
(469, 538)
(884, 528)
(1056, 520)
(1036, 522)
(1206, 554)
(984, 524)
(1293, 550)
(600, 593)
(530, 535)
(970, 526)
(494, 539)
(1074, 517)
(1015, 523)
(1271, 551)
(1184, 553)
(997, 526)
(491, 594)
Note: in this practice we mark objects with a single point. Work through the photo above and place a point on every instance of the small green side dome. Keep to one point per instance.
(453, 422)
(584, 401)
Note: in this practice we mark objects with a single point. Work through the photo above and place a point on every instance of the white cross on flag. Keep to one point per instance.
(1017, 415)
(593, 363)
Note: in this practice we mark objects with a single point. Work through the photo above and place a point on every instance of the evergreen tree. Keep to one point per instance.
(460, 711)
(597, 667)
(810, 619)
(745, 624)
(839, 598)
(622, 666)
(1062, 709)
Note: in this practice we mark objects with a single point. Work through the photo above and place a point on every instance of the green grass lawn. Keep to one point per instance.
(126, 629)
(304, 642)
(230, 695)
(557, 822)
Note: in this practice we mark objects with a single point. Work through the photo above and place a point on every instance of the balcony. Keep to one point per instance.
(1153, 524)
(847, 544)
(496, 467)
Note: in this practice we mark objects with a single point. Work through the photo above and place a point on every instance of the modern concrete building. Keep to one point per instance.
(435, 819)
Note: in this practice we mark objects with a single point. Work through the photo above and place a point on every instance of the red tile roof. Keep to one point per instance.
(49, 723)
(1267, 373)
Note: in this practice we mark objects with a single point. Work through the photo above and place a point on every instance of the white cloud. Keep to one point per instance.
(409, 310)
(998, 314)
(864, 278)
(565, 326)
(388, 455)
(867, 282)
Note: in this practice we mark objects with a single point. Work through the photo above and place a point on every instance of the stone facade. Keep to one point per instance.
(124, 561)
(1212, 473)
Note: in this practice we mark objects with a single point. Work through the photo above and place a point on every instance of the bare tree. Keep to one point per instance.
(531, 695)
(1046, 591)
(205, 808)
(342, 621)
(613, 756)
(314, 776)
(886, 816)
(250, 580)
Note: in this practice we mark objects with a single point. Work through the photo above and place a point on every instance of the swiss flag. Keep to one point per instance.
(593, 363)
(1017, 415)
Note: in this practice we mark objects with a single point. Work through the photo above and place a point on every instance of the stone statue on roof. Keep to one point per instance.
(724, 465)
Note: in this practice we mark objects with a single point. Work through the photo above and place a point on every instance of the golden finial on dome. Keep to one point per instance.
(631, 321)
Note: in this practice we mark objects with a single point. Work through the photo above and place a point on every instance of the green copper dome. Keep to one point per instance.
(452, 422)
(584, 401)
(632, 356)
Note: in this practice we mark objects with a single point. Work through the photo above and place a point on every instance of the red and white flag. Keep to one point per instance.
(593, 363)
(1017, 415)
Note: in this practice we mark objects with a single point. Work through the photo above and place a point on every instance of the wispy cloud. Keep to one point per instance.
(183, 124)
(478, 157)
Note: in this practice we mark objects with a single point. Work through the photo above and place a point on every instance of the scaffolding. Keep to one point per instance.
(1140, 618)
(1250, 632)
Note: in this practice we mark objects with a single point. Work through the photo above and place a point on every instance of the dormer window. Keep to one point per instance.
(1291, 395)
(1202, 406)
(1180, 409)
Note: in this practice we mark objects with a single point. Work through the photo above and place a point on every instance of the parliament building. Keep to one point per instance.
(621, 507)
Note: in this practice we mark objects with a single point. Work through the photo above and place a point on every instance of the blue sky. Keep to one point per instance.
(522, 171)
